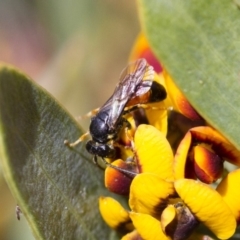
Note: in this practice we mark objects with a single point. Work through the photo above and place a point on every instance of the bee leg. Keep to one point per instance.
(119, 145)
(130, 109)
(95, 160)
(129, 137)
(67, 143)
(89, 114)
(145, 106)
(127, 127)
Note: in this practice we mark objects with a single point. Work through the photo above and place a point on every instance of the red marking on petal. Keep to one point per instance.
(117, 181)
(186, 108)
(208, 165)
(151, 59)
(141, 49)
(189, 169)
(220, 145)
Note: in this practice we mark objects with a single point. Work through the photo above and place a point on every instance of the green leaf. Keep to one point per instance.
(56, 187)
(198, 43)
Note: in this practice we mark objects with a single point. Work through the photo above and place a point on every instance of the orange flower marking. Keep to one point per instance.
(208, 165)
(218, 143)
(142, 49)
(180, 103)
(119, 182)
(203, 151)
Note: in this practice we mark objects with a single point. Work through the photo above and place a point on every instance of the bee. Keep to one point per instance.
(136, 87)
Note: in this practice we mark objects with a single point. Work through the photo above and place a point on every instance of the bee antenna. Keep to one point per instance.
(124, 171)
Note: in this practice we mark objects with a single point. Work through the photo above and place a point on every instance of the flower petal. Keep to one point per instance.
(178, 222)
(153, 152)
(113, 213)
(148, 227)
(148, 194)
(208, 206)
(229, 190)
(168, 216)
(124, 138)
(158, 117)
(117, 181)
(180, 103)
(218, 143)
(134, 235)
(205, 170)
(180, 158)
(142, 49)
(207, 164)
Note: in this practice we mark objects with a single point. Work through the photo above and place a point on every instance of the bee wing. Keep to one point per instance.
(130, 78)
(141, 76)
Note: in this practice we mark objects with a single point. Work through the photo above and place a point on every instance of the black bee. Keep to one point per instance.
(136, 86)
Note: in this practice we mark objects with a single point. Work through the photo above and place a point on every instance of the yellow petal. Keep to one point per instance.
(134, 235)
(153, 152)
(229, 190)
(168, 215)
(123, 137)
(208, 206)
(148, 194)
(178, 222)
(148, 227)
(158, 118)
(180, 158)
(112, 212)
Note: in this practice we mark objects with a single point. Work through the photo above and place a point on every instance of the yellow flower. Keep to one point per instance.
(158, 213)
(208, 206)
(166, 208)
(165, 198)
(201, 155)
(179, 207)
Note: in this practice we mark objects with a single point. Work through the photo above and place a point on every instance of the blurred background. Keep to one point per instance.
(75, 49)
